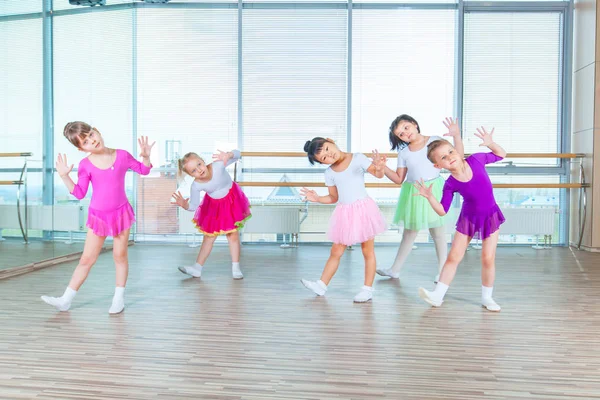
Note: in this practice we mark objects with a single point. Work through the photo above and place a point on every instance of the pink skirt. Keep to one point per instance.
(111, 223)
(225, 215)
(355, 223)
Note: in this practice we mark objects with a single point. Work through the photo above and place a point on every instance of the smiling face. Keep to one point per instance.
(445, 156)
(196, 168)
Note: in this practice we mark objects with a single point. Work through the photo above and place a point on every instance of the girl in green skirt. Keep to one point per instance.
(414, 211)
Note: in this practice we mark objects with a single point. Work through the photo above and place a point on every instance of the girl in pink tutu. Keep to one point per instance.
(109, 213)
(356, 218)
(223, 211)
(480, 216)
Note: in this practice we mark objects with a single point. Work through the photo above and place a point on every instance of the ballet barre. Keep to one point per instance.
(22, 181)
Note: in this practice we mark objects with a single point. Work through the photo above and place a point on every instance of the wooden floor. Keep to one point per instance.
(266, 337)
(15, 253)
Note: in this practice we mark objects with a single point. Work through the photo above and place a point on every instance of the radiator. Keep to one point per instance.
(273, 220)
(64, 217)
(528, 221)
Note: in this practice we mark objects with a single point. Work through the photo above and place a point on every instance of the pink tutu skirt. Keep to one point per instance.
(110, 223)
(355, 223)
(480, 225)
(225, 215)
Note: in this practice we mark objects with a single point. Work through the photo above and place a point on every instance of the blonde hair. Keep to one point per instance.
(181, 172)
(431, 147)
(76, 132)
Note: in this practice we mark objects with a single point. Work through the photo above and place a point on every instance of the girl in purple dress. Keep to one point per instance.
(480, 216)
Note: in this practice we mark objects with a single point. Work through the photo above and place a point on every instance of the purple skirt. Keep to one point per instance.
(481, 225)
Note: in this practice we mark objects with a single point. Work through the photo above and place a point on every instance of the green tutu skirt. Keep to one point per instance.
(414, 211)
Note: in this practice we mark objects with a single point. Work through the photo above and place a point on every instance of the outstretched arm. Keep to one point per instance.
(377, 168)
(488, 141)
(227, 158)
(311, 195)
(79, 189)
(396, 176)
(145, 150)
(454, 131)
(427, 192)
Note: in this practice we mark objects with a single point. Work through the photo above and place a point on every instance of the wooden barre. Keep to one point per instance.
(393, 185)
(4, 183)
(395, 155)
(16, 154)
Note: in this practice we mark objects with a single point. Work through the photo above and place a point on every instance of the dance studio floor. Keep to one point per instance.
(267, 337)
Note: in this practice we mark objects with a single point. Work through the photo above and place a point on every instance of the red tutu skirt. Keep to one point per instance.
(225, 215)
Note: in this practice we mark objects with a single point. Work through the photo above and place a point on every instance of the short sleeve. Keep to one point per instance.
(486, 158)
(363, 161)
(401, 160)
(329, 178)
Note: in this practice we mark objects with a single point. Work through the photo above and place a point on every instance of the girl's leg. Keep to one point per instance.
(408, 238)
(368, 249)
(441, 247)
(120, 249)
(488, 271)
(457, 252)
(91, 250)
(205, 249)
(320, 287)
(234, 248)
(366, 293)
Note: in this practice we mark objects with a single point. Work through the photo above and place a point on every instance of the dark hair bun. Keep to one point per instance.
(307, 145)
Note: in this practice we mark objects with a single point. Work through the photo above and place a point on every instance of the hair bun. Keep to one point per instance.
(307, 145)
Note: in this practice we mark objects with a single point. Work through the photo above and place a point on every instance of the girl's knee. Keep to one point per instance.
(487, 260)
(233, 236)
(337, 251)
(120, 257)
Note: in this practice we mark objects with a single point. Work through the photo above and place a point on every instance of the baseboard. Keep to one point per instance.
(35, 266)
(587, 248)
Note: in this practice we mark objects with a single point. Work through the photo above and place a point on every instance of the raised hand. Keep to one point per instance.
(181, 201)
(223, 156)
(424, 190)
(62, 167)
(485, 136)
(145, 148)
(309, 195)
(452, 126)
(379, 160)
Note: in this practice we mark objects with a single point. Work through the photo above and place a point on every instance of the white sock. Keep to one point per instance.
(322, 284)
(236, 272)
(408, 238)
(198, 266)
(118, 302)
(69, 294)
(119, 291)
(486, 292)
(440, 291)
(365, 294)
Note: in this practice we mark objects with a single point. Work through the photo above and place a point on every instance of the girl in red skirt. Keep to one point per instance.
(223, 211)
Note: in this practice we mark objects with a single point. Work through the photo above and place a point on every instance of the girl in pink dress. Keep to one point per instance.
(109, 213)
